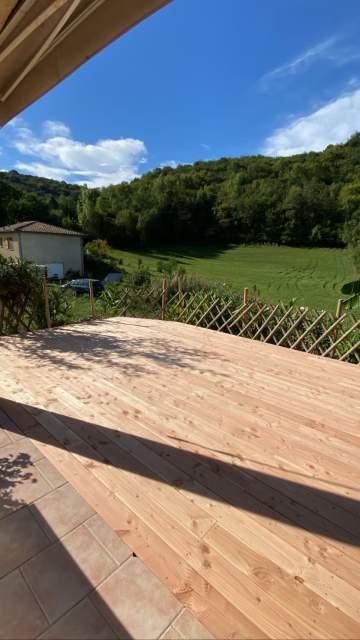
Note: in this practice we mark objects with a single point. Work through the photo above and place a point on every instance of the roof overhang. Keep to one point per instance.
(42, 42)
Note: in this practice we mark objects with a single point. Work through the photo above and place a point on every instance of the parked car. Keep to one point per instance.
(113, 278)
(82, 285)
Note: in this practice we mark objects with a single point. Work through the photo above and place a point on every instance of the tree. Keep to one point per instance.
(88, 217)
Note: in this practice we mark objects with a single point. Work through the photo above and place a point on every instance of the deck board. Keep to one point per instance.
(229, 466)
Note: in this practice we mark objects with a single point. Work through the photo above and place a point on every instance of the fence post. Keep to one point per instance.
(163, 298)
(338, 313)
(245, 295)
(46, 300)
(91, 296)
(339, 308)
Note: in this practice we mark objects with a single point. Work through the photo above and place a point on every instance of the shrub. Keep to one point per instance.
(22, 296)
(98, 248)
(139, 278)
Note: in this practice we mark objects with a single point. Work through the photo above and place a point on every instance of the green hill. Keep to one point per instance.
(24, 197)
(303, 200)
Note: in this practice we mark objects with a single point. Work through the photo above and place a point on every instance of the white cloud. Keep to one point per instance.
(57, 155)
(55, 128)
(43, 170)
(169, 163)
(332, 124)
(329, 50)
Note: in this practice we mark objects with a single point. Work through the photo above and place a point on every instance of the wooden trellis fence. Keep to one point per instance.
(15, 317)
(318, 332)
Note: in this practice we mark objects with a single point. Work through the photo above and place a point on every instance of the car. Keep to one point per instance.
(82, 286)
(113, 278)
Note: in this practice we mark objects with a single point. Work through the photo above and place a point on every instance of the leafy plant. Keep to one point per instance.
(98, 248)
(139, 278)
(352, 289)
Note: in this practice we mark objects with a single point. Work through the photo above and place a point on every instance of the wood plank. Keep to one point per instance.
(230, 467)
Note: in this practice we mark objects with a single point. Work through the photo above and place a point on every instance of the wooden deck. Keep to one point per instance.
(230, 467)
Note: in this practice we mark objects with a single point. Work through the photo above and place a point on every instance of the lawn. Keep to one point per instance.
(313, 276)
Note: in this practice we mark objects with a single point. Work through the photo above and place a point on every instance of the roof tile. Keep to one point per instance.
(33, 226)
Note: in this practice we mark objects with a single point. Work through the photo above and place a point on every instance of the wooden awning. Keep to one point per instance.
(43, 41)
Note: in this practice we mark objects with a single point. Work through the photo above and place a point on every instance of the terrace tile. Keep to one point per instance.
(20, 538)
(115, 546)
(61, 511)
(138, 599)
(83, 622)
(21, 616)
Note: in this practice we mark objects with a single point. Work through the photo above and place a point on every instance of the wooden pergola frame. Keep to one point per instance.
(43, 41)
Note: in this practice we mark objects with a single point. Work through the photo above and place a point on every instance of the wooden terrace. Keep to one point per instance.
(230, 467)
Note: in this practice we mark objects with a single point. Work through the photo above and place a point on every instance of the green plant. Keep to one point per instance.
(61, 305)
(98, 248)
(352, 289)
(139, 278)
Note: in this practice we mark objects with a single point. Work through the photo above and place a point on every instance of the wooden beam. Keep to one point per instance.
(30, 28)
(6, 7)
(99, 24)
(63, 20)
(16, 18)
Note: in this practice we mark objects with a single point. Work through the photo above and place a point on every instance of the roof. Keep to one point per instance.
(42, 42)
(33, 226)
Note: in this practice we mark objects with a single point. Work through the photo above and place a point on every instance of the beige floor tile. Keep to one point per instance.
(61, 511)
(23, 447)
(95, 563)
(20, 615)
(20, 538)
(52, 475)
(56, 580)
(4, 438)
(141, 604)
(21, 483)
(83, 622)
(171, 634)
(111, 541)
(190, 628)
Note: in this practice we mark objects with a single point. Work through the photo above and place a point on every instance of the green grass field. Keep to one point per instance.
(313, 276)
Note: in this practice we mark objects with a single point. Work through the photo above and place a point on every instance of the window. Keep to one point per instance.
(10, 242)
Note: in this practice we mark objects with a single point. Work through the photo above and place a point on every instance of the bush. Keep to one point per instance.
(22, 295)
(98, 248)
(60, 305)
(139, 278)
(170, 267)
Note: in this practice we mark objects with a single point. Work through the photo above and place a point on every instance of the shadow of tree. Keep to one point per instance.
(183, 252)
(14, 470)
(77, 346)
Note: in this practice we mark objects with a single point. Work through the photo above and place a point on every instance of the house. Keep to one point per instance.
(59, 250)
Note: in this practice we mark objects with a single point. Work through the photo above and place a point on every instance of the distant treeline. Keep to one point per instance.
(301, 200)
(311, 199)
(24, 197)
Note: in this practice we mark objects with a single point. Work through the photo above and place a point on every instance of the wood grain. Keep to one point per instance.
(231, 467)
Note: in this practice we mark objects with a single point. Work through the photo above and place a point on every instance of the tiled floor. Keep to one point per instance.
(64, 574)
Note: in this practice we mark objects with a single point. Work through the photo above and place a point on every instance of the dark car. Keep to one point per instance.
(82, 285)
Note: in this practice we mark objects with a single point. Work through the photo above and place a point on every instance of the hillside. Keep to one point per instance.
(303, 200)
(309, 200)
(25, 197)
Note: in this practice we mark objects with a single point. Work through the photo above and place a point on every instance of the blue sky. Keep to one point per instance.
(200, 79)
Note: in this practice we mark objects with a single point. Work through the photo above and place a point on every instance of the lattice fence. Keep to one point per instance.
(18, 315)
(318, 332)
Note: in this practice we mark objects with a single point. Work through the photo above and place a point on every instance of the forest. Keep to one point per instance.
(312, 199)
